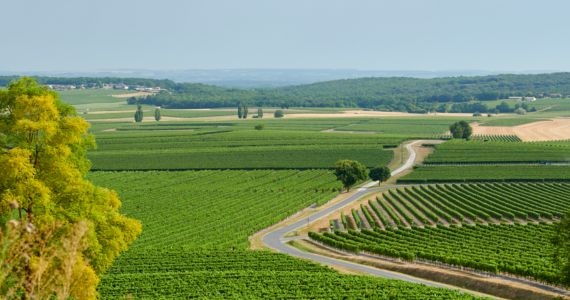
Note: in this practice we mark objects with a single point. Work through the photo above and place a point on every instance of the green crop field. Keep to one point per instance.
(511, 121)
(149, 112)
(242, 149)
(487, 173)
(517, 249)
(443, 204)
(195, 237)
(477, 151)
(411, 127)
(90, 96)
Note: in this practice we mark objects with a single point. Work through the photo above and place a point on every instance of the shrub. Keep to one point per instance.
(279, 113)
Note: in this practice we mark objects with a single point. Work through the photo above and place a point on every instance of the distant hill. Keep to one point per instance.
(385, 93)
(259, 78)
(392, 93)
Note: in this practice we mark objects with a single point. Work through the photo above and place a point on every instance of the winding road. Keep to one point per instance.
(276, 239)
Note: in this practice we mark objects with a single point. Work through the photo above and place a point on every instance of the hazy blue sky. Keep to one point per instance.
(88, 35)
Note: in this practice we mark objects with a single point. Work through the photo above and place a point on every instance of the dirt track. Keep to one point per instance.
(551, 130)
(366, 113)
(128, 95)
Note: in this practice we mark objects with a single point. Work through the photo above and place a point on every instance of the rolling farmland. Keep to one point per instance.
(493, 227)
(242, 149)
(185, 243)
(187, 250)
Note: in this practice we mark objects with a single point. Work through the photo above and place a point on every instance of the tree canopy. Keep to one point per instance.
(461, 130)
(349, 172)
(43, 189)
(380, 174)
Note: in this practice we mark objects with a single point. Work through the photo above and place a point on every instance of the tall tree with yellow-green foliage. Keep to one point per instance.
(57, 229)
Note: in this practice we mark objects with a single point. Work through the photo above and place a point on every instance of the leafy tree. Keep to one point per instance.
(380, 174)
(245, 111)
(349, 172)
(52, 255)
(260, 112)
(561, 243)
(139, 114)
(504, 107)
(461, 130)
(43, 191)
(157, 115)
(520, 111)
(278, 114)
(240, 111)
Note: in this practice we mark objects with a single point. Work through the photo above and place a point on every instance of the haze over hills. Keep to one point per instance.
(260, 78)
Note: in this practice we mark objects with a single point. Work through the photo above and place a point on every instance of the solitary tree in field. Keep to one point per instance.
(240, 111)
(260, 112)
(139, 114)
(561, 243)
(461, 130)
(157, 115)
(349, 172)
(380, 174)
(61, 229)
(278, 114)
(245, 111)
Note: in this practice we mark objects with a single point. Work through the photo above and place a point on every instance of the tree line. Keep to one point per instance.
(452, 94)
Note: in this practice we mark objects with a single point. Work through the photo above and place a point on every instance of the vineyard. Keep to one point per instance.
(180, 273)
(202, 196)
(444, 204)
(523, 250)
(242, 149)
(194, 243)
(495, 227)
(410, 127)
(487, 173)
(475, 151)
(505, 138)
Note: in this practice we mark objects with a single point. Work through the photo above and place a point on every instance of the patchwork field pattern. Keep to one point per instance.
(195, 237)
(242, 149)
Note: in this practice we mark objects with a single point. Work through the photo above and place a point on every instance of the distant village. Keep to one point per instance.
(105, 86)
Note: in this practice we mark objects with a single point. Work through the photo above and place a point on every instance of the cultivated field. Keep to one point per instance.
(195, 235)
(202, 182)
(478, 151)
(550, 130)
(516, 249)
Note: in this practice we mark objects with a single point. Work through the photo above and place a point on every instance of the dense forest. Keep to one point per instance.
(384, 93)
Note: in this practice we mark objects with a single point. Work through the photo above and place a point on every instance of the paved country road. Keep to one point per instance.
(276, 239)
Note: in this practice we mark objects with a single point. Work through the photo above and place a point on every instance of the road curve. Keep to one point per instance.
(276, 239)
